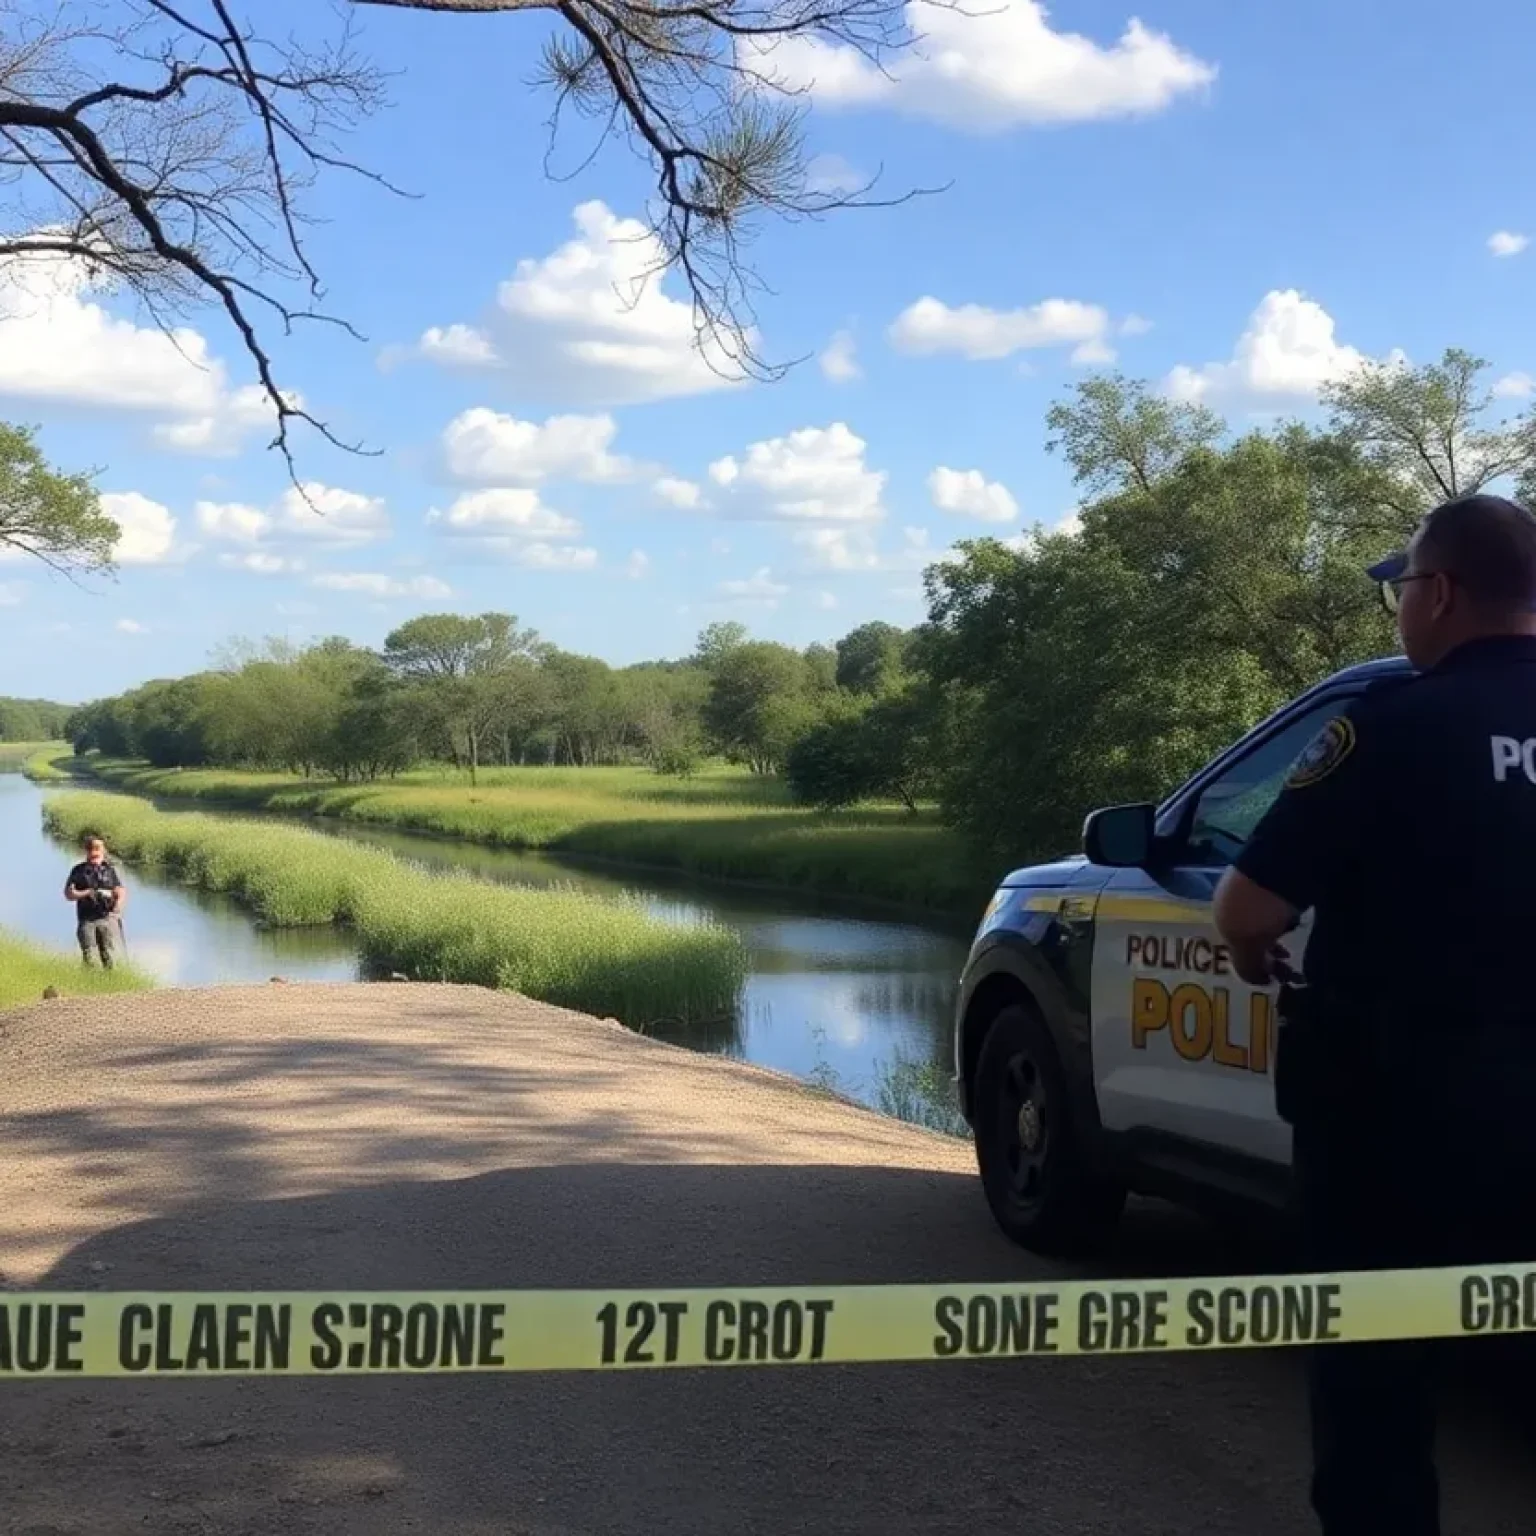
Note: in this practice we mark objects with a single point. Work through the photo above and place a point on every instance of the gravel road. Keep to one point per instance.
(405, 1136)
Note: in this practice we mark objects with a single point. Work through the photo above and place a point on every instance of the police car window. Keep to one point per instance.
(1230, 806)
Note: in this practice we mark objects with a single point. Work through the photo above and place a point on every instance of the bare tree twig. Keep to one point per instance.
(167, 145)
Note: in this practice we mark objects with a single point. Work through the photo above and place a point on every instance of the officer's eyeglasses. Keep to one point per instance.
(1392, 590)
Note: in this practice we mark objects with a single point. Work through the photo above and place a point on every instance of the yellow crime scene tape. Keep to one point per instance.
(339, 1333)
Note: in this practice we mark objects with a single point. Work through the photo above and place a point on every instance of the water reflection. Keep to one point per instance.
(843, 1000)
(859, 1005)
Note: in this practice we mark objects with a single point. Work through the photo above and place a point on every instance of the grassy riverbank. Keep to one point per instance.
(27, 969)
(33, 758)
(723, 824)
(603, 957)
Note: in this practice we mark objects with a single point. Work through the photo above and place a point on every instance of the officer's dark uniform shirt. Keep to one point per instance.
(101, 878)
(1409, 828)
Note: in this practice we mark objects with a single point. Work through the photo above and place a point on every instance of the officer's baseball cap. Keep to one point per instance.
(1486, 543)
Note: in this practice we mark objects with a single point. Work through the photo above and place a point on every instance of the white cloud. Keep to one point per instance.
(549, 557)
(851, 550)
(837, 361)
(683, 494)
(969, 493)
(484, 447)
(507, 511)
(589, 324)
(1094, 351)
(979, 333)
(1135, 325)
(826, 601)
(1506, 243)
(758, 589)
(147, 530)
(60, 345)
(57, 344)
(131, 627)
(816, 474)
(637, 565)
(376, 584)
(236, 522)
(458, 346)
(224, 432)
(991, 69)
(259, 563)
(328, 513)
(1514, 386)
(833, 176)
(1288, 351)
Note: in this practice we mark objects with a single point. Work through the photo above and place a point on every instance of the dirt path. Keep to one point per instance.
(420, 1136)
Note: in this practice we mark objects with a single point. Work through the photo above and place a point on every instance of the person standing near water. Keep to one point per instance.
(98, 895)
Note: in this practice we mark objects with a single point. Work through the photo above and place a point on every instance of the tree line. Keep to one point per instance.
(32, 720)
(1213, 574)
(479, 690)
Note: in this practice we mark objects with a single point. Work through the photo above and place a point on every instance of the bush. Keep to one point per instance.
(831, 766)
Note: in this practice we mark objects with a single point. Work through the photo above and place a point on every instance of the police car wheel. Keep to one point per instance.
(1042, 1193)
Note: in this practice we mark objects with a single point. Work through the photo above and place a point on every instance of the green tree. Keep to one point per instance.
(664, 706)
(759, 703)
(1428, 431)
(880, 748)
(716, 640)
(872, 658)
(47, 515)
(1117, 435)
(32, 719)
(1108, 665)
(167, 721)
(585, 709)
(461, 669)
(821, 668)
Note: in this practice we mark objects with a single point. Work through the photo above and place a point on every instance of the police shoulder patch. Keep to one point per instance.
(1323, 753)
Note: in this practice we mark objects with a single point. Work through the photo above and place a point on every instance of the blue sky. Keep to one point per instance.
(1236, 202)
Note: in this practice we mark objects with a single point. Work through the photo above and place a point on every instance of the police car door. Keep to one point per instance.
(1181, 1047)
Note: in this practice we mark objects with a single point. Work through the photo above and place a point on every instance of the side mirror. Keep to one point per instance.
(1120, 836)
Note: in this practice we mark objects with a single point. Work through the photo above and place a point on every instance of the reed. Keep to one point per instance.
(602, 956)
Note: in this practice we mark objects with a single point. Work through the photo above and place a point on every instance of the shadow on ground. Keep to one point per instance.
(1127, 1446)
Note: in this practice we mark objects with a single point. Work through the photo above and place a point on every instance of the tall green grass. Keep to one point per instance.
(26, 969)
(19, 756)
(723, 824)
(53, 764)
(580, 951)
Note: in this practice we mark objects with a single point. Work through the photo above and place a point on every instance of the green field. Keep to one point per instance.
(27, 968)
(607, 957)
(723, 823)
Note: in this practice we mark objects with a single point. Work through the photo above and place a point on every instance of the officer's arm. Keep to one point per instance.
(1311, 834)
(1252, 920)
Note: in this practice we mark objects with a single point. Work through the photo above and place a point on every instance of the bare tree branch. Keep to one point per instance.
(166, 145)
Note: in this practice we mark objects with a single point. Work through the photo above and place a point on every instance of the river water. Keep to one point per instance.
(862, 1005)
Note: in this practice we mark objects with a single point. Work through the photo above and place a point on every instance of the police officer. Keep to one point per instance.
(1408, 828)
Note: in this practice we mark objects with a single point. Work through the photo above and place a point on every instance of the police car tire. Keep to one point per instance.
(1074, 1207)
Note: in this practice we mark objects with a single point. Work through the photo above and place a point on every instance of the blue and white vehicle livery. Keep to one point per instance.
(1103, 1043)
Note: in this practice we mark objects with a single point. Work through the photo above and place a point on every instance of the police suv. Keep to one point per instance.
(1103, 1042)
